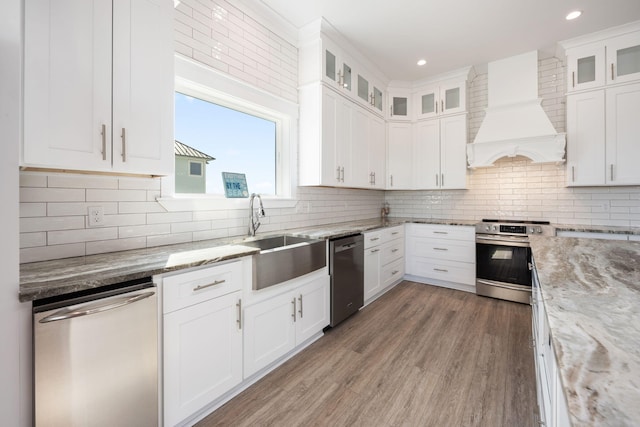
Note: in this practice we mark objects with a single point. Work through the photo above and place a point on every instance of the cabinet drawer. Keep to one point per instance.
(452, 250)
(392, 233)
(392, 272)
(372, 238)
(190, 288)
(392, 251)
(452, 271)
(452, 232)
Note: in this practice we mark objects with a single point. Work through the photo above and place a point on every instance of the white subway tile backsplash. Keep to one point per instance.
(30, 194)
(33, 209)
(139, 207)
(79, 208)
(30, 240)
(143, 230)
(168, 239)
(169, 217)
(81, 181)
(82, 235)
(95, 195)
(139, 184)
(44, 253)
(28, 225)
(105, 246)
(28, 179)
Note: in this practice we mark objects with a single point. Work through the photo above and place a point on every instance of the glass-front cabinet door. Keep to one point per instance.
(623, 58)
(377, 98)
(428, 103)
(585, 68)
(452, 98)
(399, 108)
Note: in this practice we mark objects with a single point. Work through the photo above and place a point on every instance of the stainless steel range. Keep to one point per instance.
(503, 257)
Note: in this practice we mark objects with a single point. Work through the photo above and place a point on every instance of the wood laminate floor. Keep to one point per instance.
(418, 356)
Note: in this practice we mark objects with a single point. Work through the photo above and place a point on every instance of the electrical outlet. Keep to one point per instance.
(96, 216)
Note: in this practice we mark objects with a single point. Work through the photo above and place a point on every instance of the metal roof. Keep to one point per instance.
(182, 149)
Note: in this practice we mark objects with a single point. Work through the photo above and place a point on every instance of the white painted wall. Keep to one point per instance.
(15, 353)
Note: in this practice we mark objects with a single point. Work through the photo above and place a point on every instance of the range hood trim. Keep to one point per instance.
(540, 149)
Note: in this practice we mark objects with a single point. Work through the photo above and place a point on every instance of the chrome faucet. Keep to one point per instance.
(255, 214)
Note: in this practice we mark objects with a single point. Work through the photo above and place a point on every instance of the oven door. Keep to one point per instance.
(503, 261)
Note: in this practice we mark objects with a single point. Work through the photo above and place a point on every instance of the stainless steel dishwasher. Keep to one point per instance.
(346, 265)
(96, 357)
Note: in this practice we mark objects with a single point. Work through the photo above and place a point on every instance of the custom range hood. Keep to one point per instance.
(515, 123)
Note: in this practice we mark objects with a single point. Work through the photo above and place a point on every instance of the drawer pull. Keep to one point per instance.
(440, 232)
(394, 272)
(395, 250)
(395, 232)
(300, 311)
(239, 319)
(373, 251)
(201, 287)
(441, 270)
(373, 239)
(440, 249)
(293, 305)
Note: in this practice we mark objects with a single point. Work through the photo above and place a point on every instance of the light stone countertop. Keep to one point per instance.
(598, 229)
(591, 292)
(58, 277)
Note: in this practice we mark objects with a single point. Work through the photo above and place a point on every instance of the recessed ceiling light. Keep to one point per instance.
(573, 15)
(422, 62)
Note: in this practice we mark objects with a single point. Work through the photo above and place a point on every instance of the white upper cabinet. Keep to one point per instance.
(622, 130)
(399, 156)
(369, 93)
(399, 105)
(611, 58)
(445, 98)
(337, 68)
(98, 86)
(623, 58)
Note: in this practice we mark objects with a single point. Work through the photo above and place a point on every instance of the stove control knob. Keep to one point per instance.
(531, 230)
(539, 230)
(487, 228)
(494, 228)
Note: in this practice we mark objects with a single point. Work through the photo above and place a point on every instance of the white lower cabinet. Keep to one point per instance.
(442, 255)
(275, 326)
(202, 338)
(552, 405)
(383, 260)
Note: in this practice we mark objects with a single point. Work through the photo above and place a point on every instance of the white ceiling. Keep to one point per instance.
(451, 34)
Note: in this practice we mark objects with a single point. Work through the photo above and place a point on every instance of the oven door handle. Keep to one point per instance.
(502, 242)
(504, 285)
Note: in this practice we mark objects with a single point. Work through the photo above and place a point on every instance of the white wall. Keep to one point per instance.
(15, 356)
(515, 188)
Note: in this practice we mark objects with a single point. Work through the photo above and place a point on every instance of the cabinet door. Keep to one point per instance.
(585, 139)
(399, 156)
(344, 135)
(623, 58)
(143, 87)
(453, 98)
(399, 108)
(330, 167)
(426, 155)
(372, 282)
(586, 68)
(377, 157)
(377, 98)
(363, 92)
(360, 137)
(428, 103)
(269, 332)
(202, 355)
(623, 128)
(453, 152)
(313, 309)
(67, 84)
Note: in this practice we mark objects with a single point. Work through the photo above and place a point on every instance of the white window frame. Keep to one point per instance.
(195, 79)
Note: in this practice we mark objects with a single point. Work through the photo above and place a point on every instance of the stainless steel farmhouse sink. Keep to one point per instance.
(284, 257)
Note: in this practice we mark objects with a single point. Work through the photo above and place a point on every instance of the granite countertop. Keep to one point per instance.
(591, 292)
(58, 277)
(597, 229)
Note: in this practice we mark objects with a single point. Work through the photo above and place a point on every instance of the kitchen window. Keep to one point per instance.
(278, 117)
(236, 139)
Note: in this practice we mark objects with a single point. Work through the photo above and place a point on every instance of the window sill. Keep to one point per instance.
(191, 202)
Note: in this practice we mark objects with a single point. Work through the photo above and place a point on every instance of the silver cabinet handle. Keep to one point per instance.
(440, 249)
(201, 287)
(442, 180)
(440, 232)
(395, 232)
(374, 178)
(611, 171)
(436, 107)
(441, 270)
(394, 272)
(293, 304)
(612, 76)
(442, 106)
(391, 110)
(394, 250)
(300, 311)
(373, 251)
(392, 180)
(94, 307)
(373, 239)
(573, 79)
(338, 173)
(104, 141)
(339, 81)
(124, 145)
(239, 320)
(342, 174)
(573, 173)
(436, 180)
